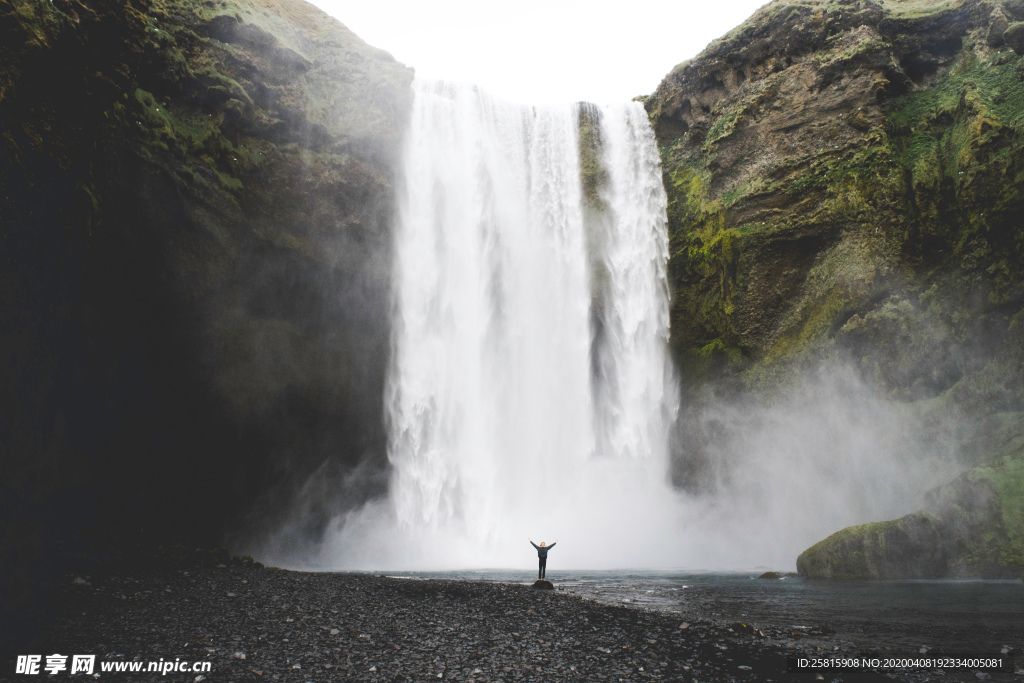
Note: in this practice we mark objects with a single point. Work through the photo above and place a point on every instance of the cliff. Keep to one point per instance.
(839, 172)
(196, 269)
(845, 186)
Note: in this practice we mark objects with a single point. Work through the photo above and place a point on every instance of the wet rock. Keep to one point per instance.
(910, 547)
(996, 27)
(543, 584)
(1014, 37)
(770, 575)
(962, 533)
(398, 630)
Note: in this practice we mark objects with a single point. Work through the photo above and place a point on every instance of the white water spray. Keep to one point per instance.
(509, 416)
(636, 401)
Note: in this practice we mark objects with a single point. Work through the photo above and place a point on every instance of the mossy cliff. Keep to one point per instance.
(195, 201)
(845, 177)
(846, 187)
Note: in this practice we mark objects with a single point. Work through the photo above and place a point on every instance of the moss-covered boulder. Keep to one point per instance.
(907, 548)
(997, 25)
(1013, 36)
(973, 528)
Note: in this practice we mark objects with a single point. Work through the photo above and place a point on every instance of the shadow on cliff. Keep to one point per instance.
(196, 271)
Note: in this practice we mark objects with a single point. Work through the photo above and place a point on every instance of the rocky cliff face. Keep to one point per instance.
(196, 201)
(829, 164)
(845, 183)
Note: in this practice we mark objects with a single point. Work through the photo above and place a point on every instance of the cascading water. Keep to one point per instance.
(527, 397)
(635, 403)
(490, 387)
(530, 393)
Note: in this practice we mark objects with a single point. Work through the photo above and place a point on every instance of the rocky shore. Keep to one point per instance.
(255, 624)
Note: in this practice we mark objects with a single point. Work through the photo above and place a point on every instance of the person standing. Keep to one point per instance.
(542, 555)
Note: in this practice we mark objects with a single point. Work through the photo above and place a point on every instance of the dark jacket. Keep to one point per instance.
(542, 553)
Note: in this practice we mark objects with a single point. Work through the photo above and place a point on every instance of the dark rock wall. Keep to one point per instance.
(195, 207)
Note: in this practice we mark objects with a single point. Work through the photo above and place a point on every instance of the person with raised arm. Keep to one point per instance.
(542, 555)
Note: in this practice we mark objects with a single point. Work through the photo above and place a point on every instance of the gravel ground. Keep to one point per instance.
(258, 624)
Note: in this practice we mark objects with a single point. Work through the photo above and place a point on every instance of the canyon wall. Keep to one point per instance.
(196, 246)
(845, 188)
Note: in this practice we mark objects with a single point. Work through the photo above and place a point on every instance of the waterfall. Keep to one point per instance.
(502, 423)
(489, 393)
(530, 392)
(635, 401)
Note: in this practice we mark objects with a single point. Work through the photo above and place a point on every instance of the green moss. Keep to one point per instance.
(842, 555)
(593, 175)
(960, 142)
(817, 321)
(908, 547)
(915, 9)
(1006, 478)
(711, 251)
(202, 151)
(693, 220)
(965, 112)
(753, 187)
(724, 126)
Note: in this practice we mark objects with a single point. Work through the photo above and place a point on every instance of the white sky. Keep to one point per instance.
(543, 51)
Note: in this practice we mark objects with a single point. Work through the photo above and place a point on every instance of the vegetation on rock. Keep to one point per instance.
(844, 181)
(197, 198)
(835, 169)
(973, 527)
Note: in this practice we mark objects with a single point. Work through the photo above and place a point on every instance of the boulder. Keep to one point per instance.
(997, 25)
(907, 548)
(1014, 37)
(972, 527)
(543, 584)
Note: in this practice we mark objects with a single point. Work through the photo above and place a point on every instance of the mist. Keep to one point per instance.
(530, 393)
(767, 480)
(764, 482)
